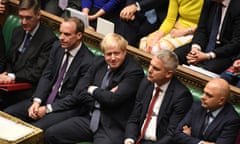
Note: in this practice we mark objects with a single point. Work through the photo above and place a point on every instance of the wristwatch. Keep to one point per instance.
(201, 142)
(138, 6)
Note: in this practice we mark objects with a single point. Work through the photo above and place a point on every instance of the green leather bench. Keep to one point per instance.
(10, 23)
(13, 21)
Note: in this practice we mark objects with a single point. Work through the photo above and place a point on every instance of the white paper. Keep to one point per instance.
(104, 26)
(12, 131)
(80, 15)
(202, 71)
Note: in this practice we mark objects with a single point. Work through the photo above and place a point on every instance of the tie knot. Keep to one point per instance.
(210, 115)
(28, 35)
(158, 89)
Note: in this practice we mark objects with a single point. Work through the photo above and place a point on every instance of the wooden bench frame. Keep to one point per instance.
(187, 76)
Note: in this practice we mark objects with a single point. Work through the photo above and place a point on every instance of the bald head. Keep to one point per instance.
(220, 85)
(216, 93)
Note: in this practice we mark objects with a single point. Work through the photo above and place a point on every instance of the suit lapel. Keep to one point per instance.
(215, 123)
(75, 63)
(59, 57)
(166, 99)
(15, 50)
(147, 99)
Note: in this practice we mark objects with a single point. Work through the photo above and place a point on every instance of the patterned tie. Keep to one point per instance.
(149, 114)
(94, 123)
(59, 80)
(215, 27)
(26, 43)
(63, 4)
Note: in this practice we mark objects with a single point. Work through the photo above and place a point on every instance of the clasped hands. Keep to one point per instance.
(128, 13)
(195, 56)
(36, 111)
(6, 79)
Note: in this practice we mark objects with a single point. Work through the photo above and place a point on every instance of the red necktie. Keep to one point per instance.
(149, 114)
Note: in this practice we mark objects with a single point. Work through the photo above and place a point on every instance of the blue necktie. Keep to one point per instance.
(94, 123)
(27, 40)
(215, 27)
(59, 80)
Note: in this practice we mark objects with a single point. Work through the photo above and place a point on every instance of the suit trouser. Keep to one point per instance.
(75, 130)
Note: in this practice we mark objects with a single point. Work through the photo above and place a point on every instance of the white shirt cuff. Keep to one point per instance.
(91, 89)
(129, 140)
(37, 100)
(12, 75)
(49, 108)
(196, 46)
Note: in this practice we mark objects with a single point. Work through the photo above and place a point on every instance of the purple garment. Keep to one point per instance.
(106, 5)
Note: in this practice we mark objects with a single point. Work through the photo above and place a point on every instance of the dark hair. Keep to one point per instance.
(28, 4)
(79, 23)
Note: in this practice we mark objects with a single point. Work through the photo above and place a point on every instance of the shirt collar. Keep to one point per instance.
(33, 32)
(74, 51)
(163, 87)
(216, 112)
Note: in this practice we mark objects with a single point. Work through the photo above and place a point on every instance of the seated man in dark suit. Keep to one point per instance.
(28, 53)
(141, 17)
(42, 109)
(217, 39)
(213, 121)
(161, 102)
(111, 82)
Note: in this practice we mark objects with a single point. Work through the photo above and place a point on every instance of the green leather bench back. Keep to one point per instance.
(11, 22)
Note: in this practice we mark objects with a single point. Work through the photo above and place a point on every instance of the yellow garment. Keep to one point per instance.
(182, 14)
(187, 13)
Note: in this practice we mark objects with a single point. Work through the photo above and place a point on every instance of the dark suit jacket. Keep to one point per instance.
(176, 102)
(161, 7)
(29, 66)
(76, 71)
(2, 52)
(223, 129)
(115, 106)
(139, 27)
(230, 33)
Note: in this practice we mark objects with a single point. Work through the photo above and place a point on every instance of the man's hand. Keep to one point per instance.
(114, 89)
(195, 56)
(33, 110)
(187, 130)
(128, 13)
(42, 111)
(236, 67)
(5, 79)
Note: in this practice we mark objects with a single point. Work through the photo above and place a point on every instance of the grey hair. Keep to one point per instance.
(169, 59)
